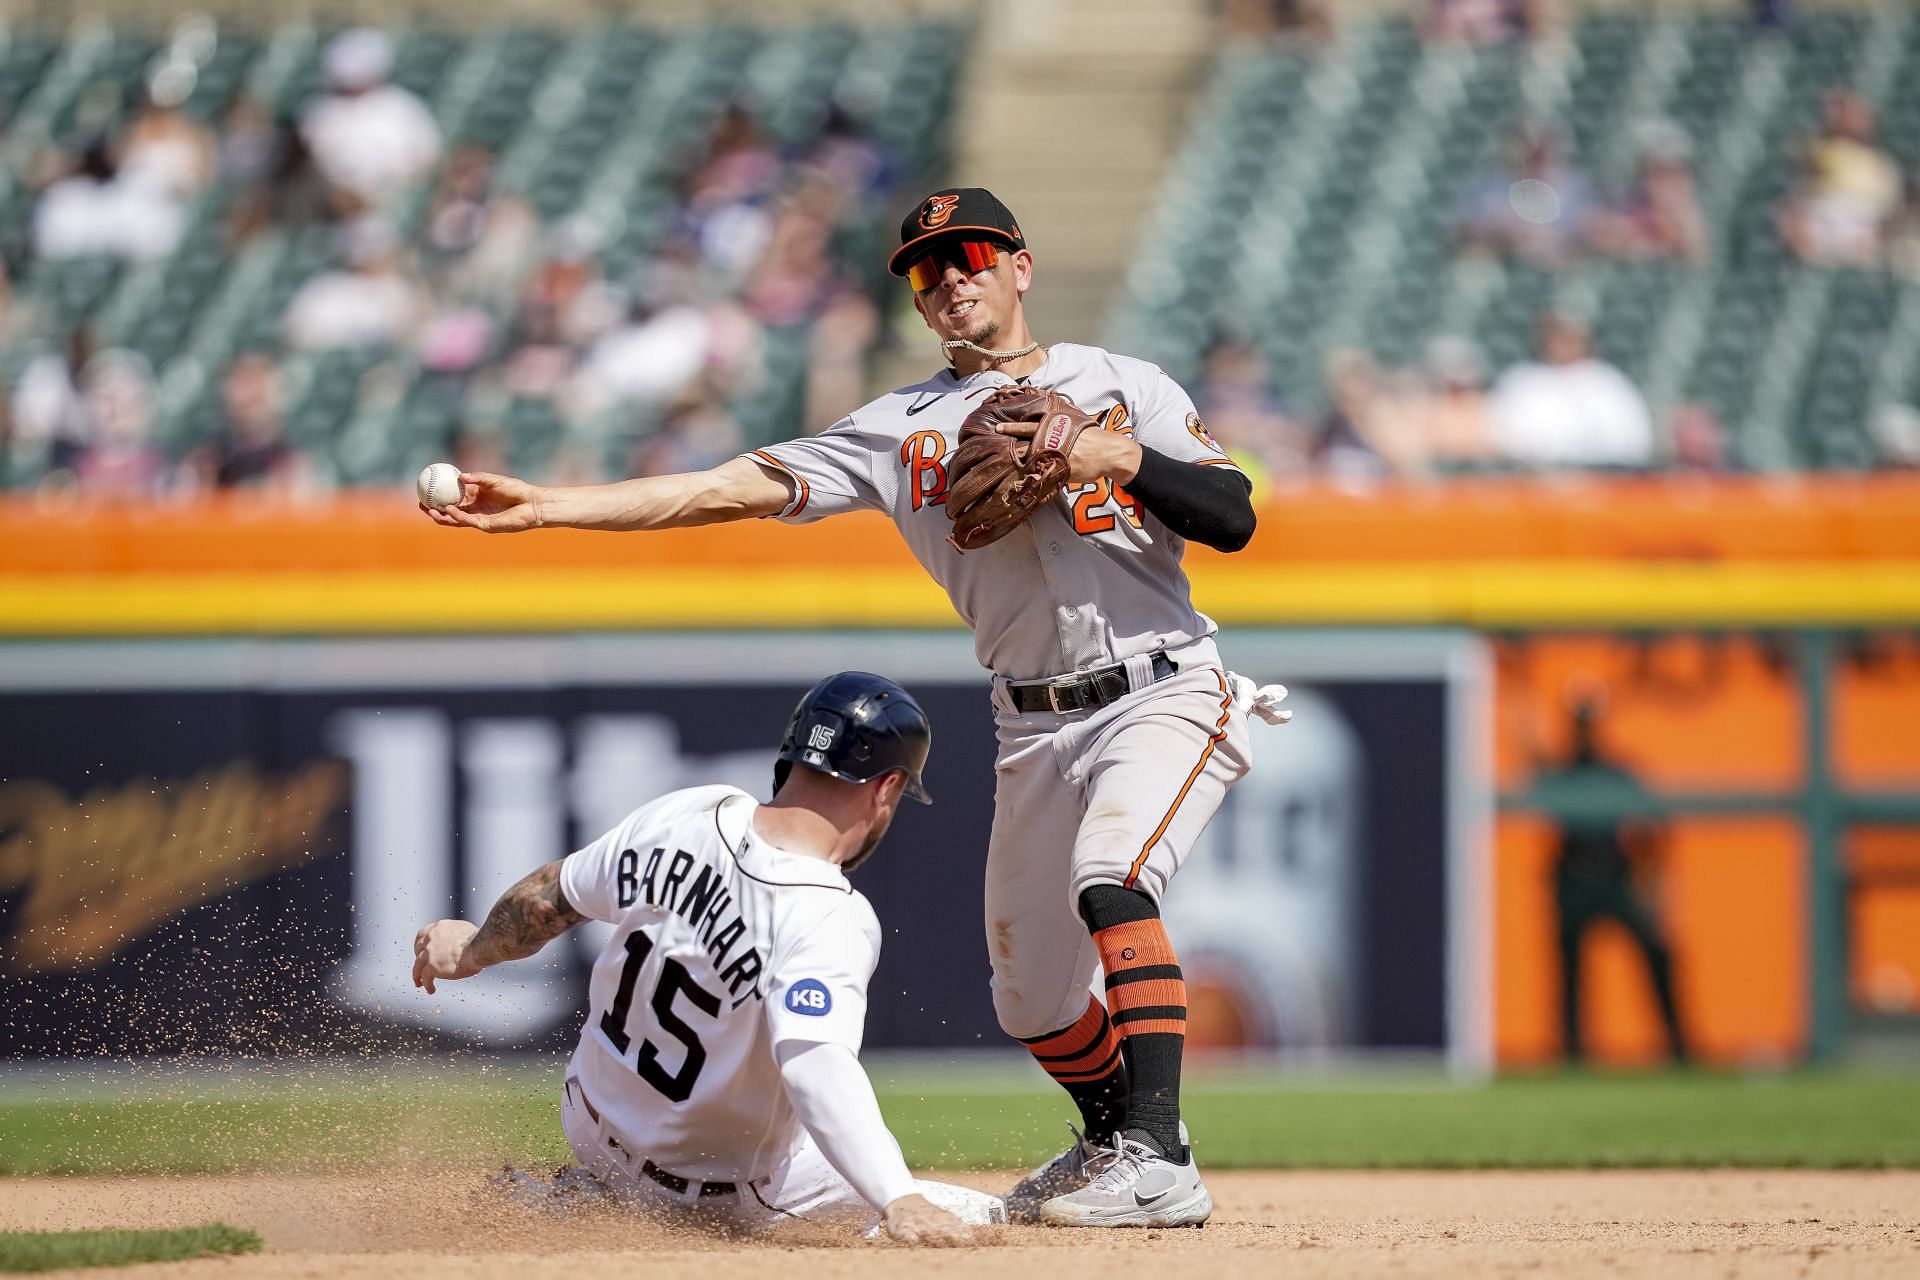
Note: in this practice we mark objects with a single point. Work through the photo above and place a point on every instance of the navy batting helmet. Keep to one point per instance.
(857, 726)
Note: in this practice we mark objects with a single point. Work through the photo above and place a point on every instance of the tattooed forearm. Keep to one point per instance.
(527, 917)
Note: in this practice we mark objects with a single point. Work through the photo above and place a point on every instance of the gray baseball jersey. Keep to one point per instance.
(1090, 580)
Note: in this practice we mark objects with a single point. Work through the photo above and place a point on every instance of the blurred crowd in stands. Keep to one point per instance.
(1542, 22)
(1566, 408)
(495, 306)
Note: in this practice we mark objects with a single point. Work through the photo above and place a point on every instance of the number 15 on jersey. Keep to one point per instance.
(674, 981)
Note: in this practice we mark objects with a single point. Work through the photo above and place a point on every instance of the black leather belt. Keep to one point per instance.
(671, 1181)
(1085, 691)
(678, 1185)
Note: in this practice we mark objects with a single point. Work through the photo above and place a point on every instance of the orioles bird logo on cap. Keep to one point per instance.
(938, 210)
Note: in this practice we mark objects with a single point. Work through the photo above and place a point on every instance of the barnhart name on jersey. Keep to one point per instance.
(704, 903)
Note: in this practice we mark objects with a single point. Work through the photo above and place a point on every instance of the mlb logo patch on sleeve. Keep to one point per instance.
(809, 996)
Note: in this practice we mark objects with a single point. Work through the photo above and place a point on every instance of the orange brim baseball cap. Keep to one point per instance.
(957, 211)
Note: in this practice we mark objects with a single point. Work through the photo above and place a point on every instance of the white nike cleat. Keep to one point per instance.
(1134, 1187)
(1068, 1171)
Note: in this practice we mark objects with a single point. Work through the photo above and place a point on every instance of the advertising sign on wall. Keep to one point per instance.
(218, 846)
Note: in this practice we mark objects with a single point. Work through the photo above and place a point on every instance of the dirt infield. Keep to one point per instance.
(1716, 1223)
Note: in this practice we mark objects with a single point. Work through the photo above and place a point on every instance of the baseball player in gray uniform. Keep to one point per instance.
(1119, 727)
(717, 1073)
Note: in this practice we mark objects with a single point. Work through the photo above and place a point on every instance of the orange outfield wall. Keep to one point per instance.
(1700, 713)
(1485, 554)
(1684, 521)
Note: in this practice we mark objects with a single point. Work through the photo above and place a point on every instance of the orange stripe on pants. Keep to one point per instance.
(1206, 754)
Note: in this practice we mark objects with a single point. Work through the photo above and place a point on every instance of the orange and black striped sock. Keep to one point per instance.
(1085, 1060)
(1148, 999)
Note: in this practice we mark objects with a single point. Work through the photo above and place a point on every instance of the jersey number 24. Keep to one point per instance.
(674, 980)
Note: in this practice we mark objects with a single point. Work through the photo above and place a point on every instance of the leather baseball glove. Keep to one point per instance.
(995, 481)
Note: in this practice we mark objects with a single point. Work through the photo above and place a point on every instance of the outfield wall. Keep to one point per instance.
(229, 844)
(1774, 551)
(1789, 880)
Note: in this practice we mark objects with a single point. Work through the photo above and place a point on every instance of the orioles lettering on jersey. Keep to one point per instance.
(924, 455)
(1095, 505)
(702, 902)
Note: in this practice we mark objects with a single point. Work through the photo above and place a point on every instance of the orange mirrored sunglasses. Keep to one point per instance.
(969, 255)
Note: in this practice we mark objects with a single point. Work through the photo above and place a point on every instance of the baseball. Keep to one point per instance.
(439, 485)
(1534, 200)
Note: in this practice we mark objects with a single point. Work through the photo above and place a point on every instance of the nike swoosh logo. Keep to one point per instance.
(1144, 1201)
(924, 402)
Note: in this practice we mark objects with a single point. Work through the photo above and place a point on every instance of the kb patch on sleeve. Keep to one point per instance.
(809, 996)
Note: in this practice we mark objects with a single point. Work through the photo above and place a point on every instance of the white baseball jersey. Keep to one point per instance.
(1090, 580)
(724, 947)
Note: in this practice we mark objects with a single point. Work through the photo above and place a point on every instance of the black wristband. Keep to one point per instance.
(1209, 505)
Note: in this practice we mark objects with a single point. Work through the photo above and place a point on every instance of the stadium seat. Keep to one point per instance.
(1313, 204)
(1743, 96)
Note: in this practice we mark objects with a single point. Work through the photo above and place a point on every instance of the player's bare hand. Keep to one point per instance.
(440, 951)
(492, 504)
(914, 1219)
(1097, 454)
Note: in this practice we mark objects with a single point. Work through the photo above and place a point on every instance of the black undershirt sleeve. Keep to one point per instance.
(1209, 505)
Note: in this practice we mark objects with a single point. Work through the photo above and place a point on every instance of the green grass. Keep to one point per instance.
(1815, 1120)
(324, 1129)
(55, 1250)
(1678, 1120)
